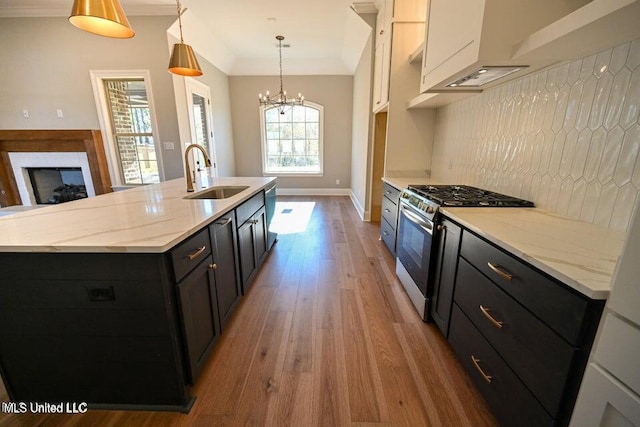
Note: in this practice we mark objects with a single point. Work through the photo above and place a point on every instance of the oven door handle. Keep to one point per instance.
(426, 226)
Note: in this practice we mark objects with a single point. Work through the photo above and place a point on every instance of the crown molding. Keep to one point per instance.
(362, 7)
(36, 12)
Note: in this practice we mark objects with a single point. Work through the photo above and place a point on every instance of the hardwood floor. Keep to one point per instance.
(325, 336)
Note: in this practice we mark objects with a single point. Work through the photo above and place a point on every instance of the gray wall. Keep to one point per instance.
(335, 93)
(361, 142)
(46, 65)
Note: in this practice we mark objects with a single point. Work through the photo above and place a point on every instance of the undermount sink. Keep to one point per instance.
(221, 192)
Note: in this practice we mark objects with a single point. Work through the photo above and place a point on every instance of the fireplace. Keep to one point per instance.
(57, 185)
(57, 149)
(39, 175)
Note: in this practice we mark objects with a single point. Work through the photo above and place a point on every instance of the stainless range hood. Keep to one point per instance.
(484, 75)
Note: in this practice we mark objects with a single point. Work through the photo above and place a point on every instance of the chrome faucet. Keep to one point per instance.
(187, 171)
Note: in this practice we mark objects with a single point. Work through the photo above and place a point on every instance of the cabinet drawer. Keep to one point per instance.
(512, 403)
(248, 208)
(390, 192)
(189, 253)
(390, 212)
(534, 352)
(561, 309)
(388, 235)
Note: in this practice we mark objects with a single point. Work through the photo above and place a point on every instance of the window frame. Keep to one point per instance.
(264, 148)
(111, 150)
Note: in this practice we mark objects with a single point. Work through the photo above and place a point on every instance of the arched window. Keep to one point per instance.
(292, 142)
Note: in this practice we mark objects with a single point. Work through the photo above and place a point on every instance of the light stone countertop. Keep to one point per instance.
(151, 219)
(579, 254)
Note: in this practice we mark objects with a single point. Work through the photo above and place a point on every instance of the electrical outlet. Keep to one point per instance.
(25, 113)
(337, 182)
(59, 113)
(450, 164)
(168, 145)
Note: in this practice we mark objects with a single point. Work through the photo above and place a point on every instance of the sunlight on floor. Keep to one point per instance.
(291, 217)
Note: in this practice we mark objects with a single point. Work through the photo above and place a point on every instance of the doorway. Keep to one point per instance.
(201, 123)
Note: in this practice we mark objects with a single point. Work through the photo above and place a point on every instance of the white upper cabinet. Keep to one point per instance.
(463, 35)
(407, 13)
(382, 68)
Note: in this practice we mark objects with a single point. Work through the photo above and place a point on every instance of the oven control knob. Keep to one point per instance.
(430, 209)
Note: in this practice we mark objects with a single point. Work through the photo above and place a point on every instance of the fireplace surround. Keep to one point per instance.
(80, 141)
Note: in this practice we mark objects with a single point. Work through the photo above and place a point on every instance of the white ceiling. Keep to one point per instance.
(238, 36)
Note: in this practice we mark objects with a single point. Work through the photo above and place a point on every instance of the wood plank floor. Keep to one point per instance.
(325, 336)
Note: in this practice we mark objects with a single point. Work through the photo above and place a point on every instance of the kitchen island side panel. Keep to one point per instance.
(95, 328)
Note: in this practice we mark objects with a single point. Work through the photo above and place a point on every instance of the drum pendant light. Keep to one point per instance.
(102, 17)
(183, 60)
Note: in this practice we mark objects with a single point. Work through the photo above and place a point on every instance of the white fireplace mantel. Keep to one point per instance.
(20, 161)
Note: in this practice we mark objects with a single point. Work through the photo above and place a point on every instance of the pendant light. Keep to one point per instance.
(102, 17)
(280, 100)
(183, 60)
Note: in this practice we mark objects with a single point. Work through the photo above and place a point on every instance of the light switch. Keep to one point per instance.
(59, 113)
(25, 113)
(168, 145)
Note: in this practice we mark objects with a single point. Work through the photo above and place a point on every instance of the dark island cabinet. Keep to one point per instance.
(198, 301)
(101, 328)
(252, 238)
(225, 268)
(125, 330)
(448, 236)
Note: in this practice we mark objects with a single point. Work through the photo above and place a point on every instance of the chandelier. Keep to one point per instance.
(280, 100)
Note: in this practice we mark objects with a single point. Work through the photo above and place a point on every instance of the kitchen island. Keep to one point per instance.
(117, 300)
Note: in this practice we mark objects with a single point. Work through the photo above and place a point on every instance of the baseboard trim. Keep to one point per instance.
(313, 191)
(364, 215)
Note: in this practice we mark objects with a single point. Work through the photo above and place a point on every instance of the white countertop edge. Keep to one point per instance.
(592, 291)
(150, 247)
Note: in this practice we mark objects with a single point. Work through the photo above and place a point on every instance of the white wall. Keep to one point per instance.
(335, 93)
(567, 138)
(361, 136)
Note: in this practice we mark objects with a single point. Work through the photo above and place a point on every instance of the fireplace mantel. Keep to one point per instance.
(51, 141)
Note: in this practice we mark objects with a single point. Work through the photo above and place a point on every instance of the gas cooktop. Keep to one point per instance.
(466, 196)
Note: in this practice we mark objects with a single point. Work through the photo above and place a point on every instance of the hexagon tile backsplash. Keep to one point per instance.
(566, 137)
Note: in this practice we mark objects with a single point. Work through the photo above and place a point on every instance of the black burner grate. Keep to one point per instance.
(467, 196)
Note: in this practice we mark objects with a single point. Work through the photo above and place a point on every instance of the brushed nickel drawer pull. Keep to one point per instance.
(497, 323)
(224, 221)
(475, 361)
(196, 253)
(500, 272)
(387, 211)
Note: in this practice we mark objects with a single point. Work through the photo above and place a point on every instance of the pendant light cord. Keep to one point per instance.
(280, 50)
(180, 20)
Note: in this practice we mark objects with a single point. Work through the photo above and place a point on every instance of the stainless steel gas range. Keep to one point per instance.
(419, 226)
